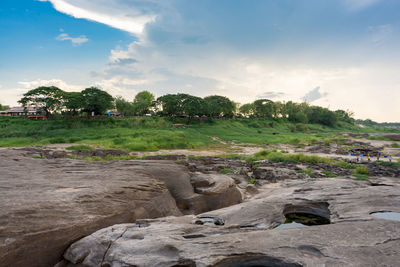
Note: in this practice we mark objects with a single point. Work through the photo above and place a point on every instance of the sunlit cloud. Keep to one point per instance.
(76, 41)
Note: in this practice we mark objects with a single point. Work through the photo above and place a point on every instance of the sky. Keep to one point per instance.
(340, 54)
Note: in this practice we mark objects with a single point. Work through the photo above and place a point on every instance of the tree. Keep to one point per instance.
(219, 106)
(143, 102)
(247, 109)
(171, 104)
(264, 108)
(73, 101)
(124, 107)
(4, 107)
(96, 100)
(192, 105)
(49, 99)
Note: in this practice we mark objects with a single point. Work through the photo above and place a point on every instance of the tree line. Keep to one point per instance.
(95, 101)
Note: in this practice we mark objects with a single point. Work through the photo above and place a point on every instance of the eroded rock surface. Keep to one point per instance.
(46, 204)
(245, 234)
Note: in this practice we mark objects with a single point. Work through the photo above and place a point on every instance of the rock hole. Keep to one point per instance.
(209, 220)
(255, 261)
(305, 214)
(193, 236)
(387, 215)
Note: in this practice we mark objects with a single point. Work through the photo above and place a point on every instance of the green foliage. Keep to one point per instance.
(264, 108)
(219, 106)
(124, 107)
(73, 101)
(143, 102)
(329, 174)
(49, 99)
(226, 171)
(252, 180)
(80, 148)
(4, 107)
(361, 170)
(96, 100)
(395, 145)
(361, 177)
(247, 109)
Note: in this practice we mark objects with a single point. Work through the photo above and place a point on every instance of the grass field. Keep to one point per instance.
(151, 134)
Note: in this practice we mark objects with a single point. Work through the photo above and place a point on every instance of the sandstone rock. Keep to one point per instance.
(247, 236)
(45, 204)
(273, 175)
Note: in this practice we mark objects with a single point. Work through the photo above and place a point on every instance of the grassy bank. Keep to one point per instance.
(150, 134)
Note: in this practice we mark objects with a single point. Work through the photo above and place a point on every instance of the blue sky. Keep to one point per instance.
(334, 53)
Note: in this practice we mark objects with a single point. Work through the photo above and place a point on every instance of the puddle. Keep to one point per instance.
(304, 214)
(209, 221)
(255, 261)
(290, 226)
(387, 215)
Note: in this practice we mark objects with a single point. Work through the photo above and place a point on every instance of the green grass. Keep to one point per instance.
(80, 148)
(361, 177)
(361, 173)
(107, 158)
(389, 164)
(395, 145)
(226, 171)
(152, 134)
(252, 180)
(329, 174)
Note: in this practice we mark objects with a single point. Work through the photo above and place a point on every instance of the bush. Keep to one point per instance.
(395, 145)
(226, 171)
(361, 170)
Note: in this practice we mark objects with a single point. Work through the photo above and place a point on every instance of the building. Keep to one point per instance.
(21, 112)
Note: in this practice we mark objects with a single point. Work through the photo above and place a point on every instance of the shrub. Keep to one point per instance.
(226, 171)
(329, 174)
(395, 145)
(361, 170)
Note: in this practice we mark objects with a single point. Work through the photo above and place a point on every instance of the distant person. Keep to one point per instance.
(390, 158)
(378, 156)
(369, 158)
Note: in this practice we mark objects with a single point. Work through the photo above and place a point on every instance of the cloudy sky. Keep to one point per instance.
(341, 54)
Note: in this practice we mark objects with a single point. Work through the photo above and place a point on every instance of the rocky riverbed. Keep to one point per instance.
(179, 211)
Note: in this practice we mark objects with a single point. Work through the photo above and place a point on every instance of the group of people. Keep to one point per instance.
(360, 157)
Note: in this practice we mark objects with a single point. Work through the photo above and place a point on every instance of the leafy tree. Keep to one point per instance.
(247, 109)
(192, 105)
(96, 100)
(73, 101)
(4, 107)
(143, 102)
(171, 104)
(264, 108)
(49, 99)
(322, 116)
(345, 116)
(219, 106)
(124, 107)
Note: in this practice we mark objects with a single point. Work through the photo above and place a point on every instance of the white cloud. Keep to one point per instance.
(130, 17)
(51, 82)
(74, 40)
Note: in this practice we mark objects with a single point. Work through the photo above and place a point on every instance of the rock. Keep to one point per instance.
(46, 204)
(251, 189)
(244, 234)
(214, 184)
(273, 175)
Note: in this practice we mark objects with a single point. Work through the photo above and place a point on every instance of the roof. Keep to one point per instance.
(20, 110)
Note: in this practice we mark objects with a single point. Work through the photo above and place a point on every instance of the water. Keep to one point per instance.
(394, 216)
(290, 226)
